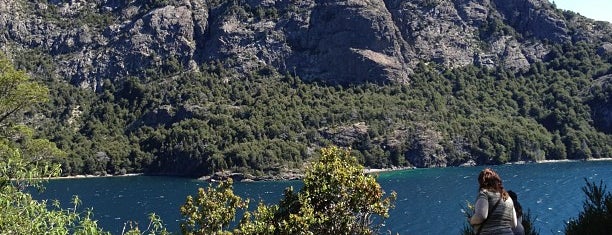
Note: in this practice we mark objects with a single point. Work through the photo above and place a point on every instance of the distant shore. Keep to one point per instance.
(294, 176)
(92, 176)
(378, 170)
(576, 160)
(563, 160)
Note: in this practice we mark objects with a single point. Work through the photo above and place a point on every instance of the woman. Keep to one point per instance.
(519, 229)
(494, 210)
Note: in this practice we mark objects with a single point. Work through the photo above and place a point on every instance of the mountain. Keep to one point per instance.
(121, 53)
(340, 41)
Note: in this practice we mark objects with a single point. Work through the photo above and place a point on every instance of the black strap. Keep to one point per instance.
(489, 216)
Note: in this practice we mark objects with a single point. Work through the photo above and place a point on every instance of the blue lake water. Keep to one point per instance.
(429, 200)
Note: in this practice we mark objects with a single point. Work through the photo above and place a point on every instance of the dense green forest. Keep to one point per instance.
(195, 123)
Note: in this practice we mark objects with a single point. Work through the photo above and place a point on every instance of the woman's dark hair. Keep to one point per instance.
(517, 205)
(488, 179)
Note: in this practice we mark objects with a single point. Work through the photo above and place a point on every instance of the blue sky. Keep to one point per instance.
(594, 9)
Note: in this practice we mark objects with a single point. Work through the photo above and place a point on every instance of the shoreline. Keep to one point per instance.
(380, 170)
(558, 161)
(574, 160)
(91, 176)
(293, 176)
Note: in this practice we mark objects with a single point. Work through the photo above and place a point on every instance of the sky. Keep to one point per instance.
(594, 9)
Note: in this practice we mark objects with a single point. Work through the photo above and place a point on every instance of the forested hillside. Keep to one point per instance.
(138, 95)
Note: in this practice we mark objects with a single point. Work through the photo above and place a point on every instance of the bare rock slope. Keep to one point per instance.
(341, 41)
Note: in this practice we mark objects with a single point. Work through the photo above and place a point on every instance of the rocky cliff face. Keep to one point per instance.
(332, 40)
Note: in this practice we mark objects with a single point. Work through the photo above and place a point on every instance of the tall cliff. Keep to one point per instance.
(343, 41)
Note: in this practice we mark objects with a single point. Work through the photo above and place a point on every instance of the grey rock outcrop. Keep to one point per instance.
(420, 146)
(534, 17)
(346, 136)
(605, 49)
(352, 41)
(601, 107)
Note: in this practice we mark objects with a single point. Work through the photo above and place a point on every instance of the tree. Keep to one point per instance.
(337, 198)
(20, 213)
(596, 217)
(26, 160)
(212, 210)
(17, 92)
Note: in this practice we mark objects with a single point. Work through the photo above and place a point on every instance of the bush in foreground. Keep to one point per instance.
(337, 198)
(596, 218)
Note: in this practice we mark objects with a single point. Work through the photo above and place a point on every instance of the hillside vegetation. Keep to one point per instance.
(196, 123)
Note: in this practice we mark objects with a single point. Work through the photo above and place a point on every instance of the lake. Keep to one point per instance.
(429, 200)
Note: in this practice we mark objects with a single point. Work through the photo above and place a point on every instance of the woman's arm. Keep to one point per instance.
(514, 219)
(481, 211)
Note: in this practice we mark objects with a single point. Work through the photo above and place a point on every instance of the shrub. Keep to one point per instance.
(337, 198)
(596, 217)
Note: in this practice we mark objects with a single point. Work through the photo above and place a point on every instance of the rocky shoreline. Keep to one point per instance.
(93, 176)
(298, 174)
(242, 177)
(283, 176)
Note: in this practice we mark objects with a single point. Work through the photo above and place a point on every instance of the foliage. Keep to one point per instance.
(25, 160)
(337, 198)
(528, 224)
(212, 210)
(17, 92)
(468, 211)
(155, 226)
(51, 12)
(596, 217)
(261, 221)
(17, 95)
(23, 215)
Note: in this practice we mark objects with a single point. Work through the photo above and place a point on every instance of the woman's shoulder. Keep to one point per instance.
(486, 193)
(490, 195)
(510, 202)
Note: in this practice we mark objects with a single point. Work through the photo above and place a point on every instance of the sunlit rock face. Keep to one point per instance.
(337, 41)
